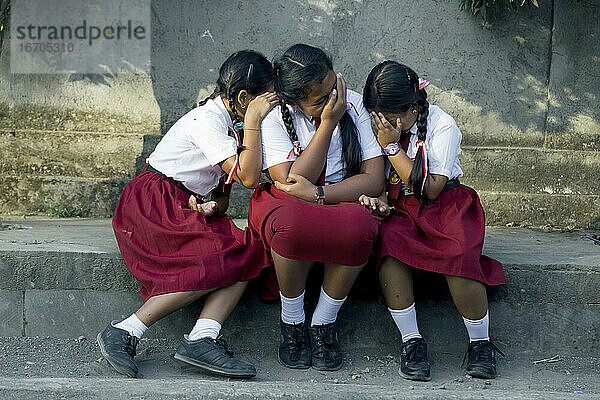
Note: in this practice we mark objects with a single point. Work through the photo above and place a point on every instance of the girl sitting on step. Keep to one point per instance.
(432, 222)
(319, 149)
(171, 225)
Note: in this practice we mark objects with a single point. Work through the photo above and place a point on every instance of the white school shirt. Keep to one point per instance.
(190, 152)
(277, 144)
(442, 143)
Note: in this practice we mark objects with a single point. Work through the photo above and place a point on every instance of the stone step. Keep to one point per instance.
(65, 278)
(534, 187)
(70, 154)
(62, 196)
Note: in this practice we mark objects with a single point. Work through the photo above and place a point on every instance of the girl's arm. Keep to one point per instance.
(386, 134)
(311, 161)
(248, 170)
(369, 181)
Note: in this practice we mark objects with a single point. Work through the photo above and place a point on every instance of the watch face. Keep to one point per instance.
(391, 149)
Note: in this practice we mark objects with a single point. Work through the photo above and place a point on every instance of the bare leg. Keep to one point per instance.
(160, 306)
(291, 274)
(396, 283)
(469, 295)
(220, 303)
(338, 279)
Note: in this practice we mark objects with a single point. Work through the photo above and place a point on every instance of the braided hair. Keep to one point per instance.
(295, 71)
(394, 87)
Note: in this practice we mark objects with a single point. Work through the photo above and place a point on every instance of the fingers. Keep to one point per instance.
(332, 99)
(271, 98)
(385, 122)
(208, 208)
(374, 126)
(399, 125)
(375, 119)
(367, 201)
(281, 186)
(193, 203)
(383, 210)
(341, 90)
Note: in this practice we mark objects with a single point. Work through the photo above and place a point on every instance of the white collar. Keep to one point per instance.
(219, 103)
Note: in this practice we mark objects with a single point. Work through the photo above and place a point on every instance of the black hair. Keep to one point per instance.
(295, 71)
(394, 87)
(243, 70)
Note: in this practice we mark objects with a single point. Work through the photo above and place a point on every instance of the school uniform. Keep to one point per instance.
(446, 235)
(341, 233)
(169, 247)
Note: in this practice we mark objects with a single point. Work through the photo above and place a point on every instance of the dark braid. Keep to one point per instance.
(213, 96)
(231, 101)
(300, 67)
(394, 87)
(288, 121)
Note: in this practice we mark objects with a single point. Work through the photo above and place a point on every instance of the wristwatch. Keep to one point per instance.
(391, 149)
(320, 195)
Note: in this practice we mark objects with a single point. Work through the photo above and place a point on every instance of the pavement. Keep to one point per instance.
(64, 280)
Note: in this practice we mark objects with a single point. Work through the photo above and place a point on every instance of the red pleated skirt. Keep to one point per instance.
(169, 247)
(343, 233)
(445, 236)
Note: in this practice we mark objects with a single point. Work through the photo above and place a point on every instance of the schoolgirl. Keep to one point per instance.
(319, 149)
(437, 224)
(171, 225)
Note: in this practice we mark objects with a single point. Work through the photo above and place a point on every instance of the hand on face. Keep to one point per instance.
(260, 106)
(336, 105)
(384, 131)
(298, 186)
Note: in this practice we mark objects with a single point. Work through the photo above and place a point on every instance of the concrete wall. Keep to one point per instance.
(524, 89)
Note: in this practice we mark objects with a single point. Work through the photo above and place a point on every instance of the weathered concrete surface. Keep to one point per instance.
(74, 282)
(74, 370)
(21, 195)
(574, 88)
(558, 210)
(530, 170)
(11, 310)
(64, 153)
(517, 81)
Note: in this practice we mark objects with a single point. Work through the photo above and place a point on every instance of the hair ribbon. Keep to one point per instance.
(423, 83)
(421, 143)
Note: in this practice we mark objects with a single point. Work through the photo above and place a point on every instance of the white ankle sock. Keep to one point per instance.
(478, 329)
(327, 309)
(406, 321)
(205, 327)
(292, 309)
(133, 325)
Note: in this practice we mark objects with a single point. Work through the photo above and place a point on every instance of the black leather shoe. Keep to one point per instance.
(413, 360)
(294, 349)
(481, 359)
(118, 348)
(326, 351)
(213, 355)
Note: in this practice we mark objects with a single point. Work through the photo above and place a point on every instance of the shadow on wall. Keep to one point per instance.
(491, 76)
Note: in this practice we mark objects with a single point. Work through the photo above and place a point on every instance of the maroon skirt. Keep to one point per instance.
(341, 233)
(445, 236)
(169, 247)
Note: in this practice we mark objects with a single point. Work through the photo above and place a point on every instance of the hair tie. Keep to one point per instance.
(423, 83)
(249, 76)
